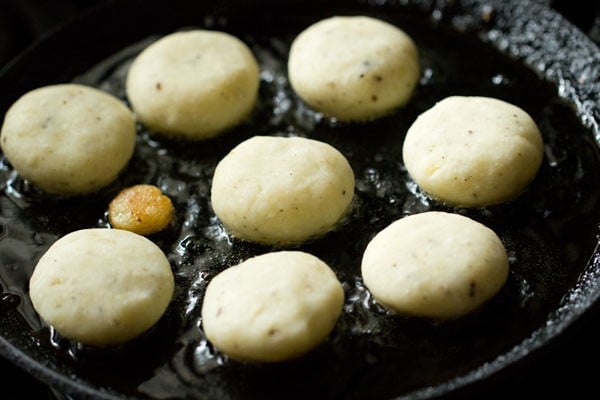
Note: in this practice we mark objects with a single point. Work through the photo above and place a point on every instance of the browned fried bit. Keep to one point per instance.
(142, 209)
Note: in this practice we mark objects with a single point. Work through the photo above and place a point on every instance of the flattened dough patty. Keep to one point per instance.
(435, 264)
(102, 286)
(473, 151)
(353, 68)
(68, 139)
(193, 84)
(272, 307)
(277, 190)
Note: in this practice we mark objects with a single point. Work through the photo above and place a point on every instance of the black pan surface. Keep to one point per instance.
(517, 51)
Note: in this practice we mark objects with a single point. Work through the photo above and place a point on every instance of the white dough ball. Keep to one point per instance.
(68, 139)
(353, 68)
(473, 151)
(272, 307)
(102, 286)
(277, 190)
(194, 84)
(435, 265)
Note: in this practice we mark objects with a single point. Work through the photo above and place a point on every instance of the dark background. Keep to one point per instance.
(567, 369)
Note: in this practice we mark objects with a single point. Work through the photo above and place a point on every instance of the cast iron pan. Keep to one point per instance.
(514, 50)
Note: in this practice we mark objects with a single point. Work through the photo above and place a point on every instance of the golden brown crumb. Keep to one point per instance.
(142, 209)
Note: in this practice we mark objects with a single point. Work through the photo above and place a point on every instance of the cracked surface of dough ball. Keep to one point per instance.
(68, 139)
(435, 265)
(280, 191)
(473, 151)
(354, 68)
(142, 209)
(272, 307)
(102, 287)
(194, 84)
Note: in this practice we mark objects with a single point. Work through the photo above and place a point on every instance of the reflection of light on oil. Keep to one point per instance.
(553, 159)
(526, 292)
(206, 358)
(13, 190)
(416, 191)
(217, 231)
(197, 286)
(499, 79)
(426, 76)
(55, 338)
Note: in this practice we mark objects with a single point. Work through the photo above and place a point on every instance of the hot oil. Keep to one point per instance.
(548, 231)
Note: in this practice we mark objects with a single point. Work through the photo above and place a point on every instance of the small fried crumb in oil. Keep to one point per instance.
(142, 209)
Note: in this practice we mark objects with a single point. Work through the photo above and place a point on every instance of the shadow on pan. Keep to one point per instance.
(518, 51)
